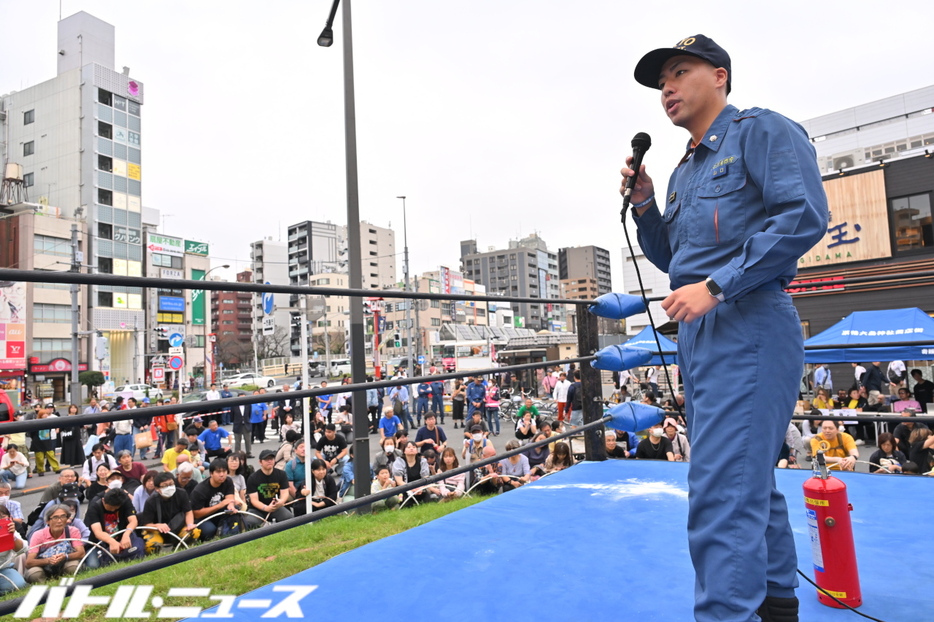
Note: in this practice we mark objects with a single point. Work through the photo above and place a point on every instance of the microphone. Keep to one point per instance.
(640, 144)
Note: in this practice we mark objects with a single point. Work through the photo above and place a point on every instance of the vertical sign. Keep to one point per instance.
(197, 299)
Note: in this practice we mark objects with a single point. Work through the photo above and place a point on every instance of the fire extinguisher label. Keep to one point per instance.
(816, 554)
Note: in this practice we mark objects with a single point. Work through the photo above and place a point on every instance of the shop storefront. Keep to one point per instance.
(49, 381)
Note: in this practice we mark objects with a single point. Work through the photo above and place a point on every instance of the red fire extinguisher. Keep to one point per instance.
(832, 548)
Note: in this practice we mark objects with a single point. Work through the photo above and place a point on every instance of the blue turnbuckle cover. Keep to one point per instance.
(617, 306)
(620, 357)
(634, 416)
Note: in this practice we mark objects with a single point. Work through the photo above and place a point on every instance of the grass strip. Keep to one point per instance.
(244, 568)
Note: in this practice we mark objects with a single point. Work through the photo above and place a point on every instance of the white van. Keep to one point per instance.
(340, 367)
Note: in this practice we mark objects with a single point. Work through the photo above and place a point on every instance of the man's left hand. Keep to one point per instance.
(689, 302)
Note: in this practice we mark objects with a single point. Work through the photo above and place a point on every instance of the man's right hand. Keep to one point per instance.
(643, 189)
(114, 547)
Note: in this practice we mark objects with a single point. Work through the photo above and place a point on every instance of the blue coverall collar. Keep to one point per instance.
(717, 130)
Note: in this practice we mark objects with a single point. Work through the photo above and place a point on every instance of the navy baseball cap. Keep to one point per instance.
(650, 66)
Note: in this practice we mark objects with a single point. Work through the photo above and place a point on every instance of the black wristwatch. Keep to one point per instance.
(714, 290)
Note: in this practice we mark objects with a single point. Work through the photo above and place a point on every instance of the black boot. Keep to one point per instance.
(776, 609)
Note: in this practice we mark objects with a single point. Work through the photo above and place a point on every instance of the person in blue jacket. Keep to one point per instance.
(476, 397)
(437, 399)
(421, 402)
(742, 206)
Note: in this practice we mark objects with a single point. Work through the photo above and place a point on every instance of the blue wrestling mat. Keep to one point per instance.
(602, 541)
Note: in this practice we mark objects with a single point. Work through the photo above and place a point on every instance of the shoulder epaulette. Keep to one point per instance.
(749, 113)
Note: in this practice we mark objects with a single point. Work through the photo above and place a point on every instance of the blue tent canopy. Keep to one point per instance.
(909, 328)
(646, 341)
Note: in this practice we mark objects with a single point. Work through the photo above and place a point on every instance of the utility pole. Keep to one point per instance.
(306, 411)
(408, 304)
(76, 260)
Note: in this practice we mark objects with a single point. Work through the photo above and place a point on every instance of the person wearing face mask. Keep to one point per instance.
(656, 446)
(387, 456)
(169, 510)
(475, 444)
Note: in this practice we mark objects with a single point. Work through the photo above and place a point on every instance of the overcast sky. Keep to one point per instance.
(495, 118)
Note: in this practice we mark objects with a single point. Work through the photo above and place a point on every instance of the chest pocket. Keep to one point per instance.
(719, 214)
(670, 216)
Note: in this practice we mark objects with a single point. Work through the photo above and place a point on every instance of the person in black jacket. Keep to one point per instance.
(242, 428)
(576, 400)
(923, 389)
(873, 380)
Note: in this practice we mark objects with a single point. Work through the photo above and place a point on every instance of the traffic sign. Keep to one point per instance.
(158, 374)
(267, 302)
(176, 362)
(177, 351)
(176, 339)
(421, 359)
(269, 325)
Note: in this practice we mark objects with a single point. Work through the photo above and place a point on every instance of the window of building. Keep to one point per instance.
(29, 179)
(47, 245)
(55, 314)
(105, 231)
(105, 197)
(47, 349)
(105, 97)
(132, 107)
(105, 265)
(29, 117)
(29, 148)
(435, 304)
(911, 222)
(436, 321)
(228, 301)
(105, 130)
(105, 163)
(105, 299)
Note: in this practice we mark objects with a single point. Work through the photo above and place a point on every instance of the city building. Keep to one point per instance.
(586, 262)
(78, 137)
(428, 316)
(319, 248)
(378, 253)
(232, 323)
(36, 318)
(270, 264)
(175, 318)
(329, 318)
(525, 269)
(878, 165)
(656, 284)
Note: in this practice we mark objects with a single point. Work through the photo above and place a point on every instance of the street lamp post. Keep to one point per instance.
(407, 286)
(358, 356)
(207, 329)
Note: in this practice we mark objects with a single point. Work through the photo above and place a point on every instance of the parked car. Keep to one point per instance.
(241, 380)
(340, 367)
(139, 391)
(316, 368)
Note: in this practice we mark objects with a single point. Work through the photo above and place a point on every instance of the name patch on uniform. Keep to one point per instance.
(720, 171)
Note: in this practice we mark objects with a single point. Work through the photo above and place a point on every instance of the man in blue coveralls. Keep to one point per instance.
(742, 206)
